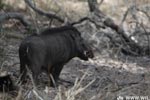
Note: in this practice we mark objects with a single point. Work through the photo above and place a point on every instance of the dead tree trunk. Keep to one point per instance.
(131, 47)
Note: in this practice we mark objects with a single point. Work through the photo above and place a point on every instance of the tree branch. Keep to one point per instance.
(39, 11)
(14, 15)
(128, 42)
(89, 19)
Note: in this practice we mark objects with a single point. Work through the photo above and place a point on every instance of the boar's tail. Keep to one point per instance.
(24, 53)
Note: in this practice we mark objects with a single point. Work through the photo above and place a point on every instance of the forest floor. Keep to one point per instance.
(106, 77)
(111, 77)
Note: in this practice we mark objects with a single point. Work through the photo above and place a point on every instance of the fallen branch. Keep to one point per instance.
(14, 15)
(88, 19)
(39, 11)
(132, 47)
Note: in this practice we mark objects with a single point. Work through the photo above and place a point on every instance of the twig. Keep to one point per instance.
(144, 13)
(37, 94)
(147, 37)
(124, 17)
(53, 81)
(89, 19)
(31, 77)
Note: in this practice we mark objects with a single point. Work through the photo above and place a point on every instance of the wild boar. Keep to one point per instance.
(51, 50)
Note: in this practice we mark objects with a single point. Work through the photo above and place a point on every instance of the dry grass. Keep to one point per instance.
(106, 78)
(62, 94)
(72, 93)
(108, 75)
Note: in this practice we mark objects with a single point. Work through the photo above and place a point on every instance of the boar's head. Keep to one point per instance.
(84, 51)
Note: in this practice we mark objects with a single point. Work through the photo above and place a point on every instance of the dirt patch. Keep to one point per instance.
(113, 77)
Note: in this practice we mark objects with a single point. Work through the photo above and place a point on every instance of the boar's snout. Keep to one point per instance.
(89, 54)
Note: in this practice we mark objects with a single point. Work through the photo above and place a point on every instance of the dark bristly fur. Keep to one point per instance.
(6, 83)
(51, 50)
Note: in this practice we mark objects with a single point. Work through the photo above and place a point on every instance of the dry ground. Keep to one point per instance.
(112, 76)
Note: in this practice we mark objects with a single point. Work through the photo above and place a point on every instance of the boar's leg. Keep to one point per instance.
(23, 72)
(56, 72)
(35, 70)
